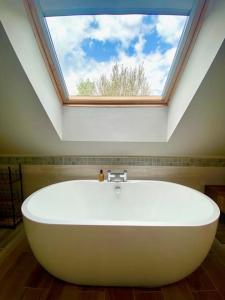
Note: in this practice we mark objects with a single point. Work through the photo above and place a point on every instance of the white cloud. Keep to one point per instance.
(170, 27)
(69, 33)
(140, 44)
(121, 28)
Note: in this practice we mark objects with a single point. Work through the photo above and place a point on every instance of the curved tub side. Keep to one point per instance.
(119, 255)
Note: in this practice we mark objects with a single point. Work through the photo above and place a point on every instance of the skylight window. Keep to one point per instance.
(117, 52)
(116, 55)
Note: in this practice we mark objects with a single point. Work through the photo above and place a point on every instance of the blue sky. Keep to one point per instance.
(100, 50)
(88, 46)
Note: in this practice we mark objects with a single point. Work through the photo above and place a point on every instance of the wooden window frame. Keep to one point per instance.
(54, 70)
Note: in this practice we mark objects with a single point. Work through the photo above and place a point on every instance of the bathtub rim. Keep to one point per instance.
(28, 215)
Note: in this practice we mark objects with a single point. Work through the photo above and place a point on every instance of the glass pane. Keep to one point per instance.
(116, 55)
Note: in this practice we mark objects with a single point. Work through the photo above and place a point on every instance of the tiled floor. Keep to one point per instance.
(21, 277)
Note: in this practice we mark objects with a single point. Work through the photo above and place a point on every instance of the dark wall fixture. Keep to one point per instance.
(11, 195)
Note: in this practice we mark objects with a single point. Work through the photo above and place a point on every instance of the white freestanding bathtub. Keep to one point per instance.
(136, 233)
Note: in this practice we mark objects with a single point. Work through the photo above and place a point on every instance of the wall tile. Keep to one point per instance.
(114, 160)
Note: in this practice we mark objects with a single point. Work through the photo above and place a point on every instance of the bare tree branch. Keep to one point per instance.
(123, 81)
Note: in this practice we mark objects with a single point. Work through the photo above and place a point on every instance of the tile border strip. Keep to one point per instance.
(114, 160)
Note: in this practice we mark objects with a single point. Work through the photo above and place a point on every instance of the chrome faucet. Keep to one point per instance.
(116, 176)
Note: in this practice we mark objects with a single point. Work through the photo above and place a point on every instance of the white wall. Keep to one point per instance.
(115, 124)
(207, 44)
(26, 129)
(16, 24)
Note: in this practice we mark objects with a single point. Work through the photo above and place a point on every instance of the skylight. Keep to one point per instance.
(121, 52)
(116, 55)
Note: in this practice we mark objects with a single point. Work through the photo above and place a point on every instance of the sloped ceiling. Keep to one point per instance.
(26, 130)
